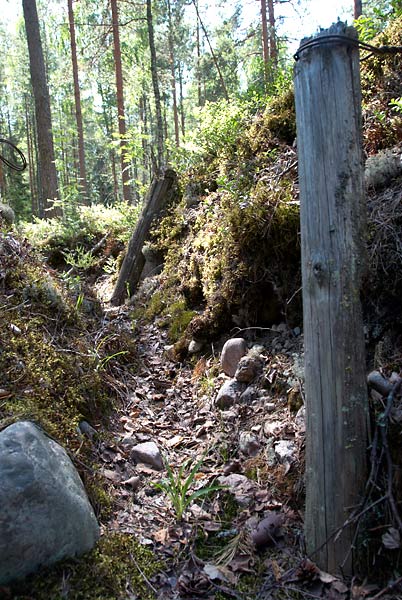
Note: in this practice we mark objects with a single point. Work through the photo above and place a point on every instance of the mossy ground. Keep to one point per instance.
(56, 365)
(117, 568)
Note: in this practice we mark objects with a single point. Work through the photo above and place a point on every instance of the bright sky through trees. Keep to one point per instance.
(300, 21)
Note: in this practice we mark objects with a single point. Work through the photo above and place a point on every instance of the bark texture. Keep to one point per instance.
(328, 110)
(134, 260)
(47, 168)
(120, 103)
(78, 112)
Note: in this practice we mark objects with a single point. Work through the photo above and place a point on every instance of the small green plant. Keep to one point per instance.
(101, 362)
(80, 299)
(80, 258)
(177, 488)
(110, 266)
(396, 104)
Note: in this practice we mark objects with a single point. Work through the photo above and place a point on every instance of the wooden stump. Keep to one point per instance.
(328, 109)
(134, 260)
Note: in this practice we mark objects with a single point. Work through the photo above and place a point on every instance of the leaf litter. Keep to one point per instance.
(250, 524)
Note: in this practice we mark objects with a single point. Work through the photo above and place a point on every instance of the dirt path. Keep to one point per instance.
(172, 404)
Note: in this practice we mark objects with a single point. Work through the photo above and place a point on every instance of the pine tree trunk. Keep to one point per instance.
(358, 8)
(173, 74)
(120, 103)
(199, 88)
(273, 48)
(265, 47)
(155, 84)
(183, 122)
(30, 161)
(48, 175)
(78, 112)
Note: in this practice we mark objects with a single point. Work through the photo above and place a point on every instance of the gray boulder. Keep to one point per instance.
(232, 352)
(45, 512)
(229, 394)
(7, 213)
(248, 368)
(148, 453)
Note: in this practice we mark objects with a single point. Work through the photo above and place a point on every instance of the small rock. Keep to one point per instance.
(127, 442)
(248, 368)
(249, 395)
(16, 330)
(249, 443)
(300, 418)
(87, 429)
(297, 331)
(272, 427)
(269, 406)
(229, 394)
(257, 349)
(282, 327)
(285, 450)
(229, 416)
(148, 453)
(232, 352)
(133, 482)
(194, 347)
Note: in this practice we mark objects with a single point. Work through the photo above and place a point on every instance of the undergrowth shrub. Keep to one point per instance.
(381, 92)
(87, 223)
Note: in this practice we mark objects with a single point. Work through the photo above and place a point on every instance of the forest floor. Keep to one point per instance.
(244, 540)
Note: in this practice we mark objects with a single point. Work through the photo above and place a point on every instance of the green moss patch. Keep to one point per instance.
(118, 568)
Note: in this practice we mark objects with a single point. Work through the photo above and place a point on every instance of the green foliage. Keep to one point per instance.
(221, 124)
(381, 91)
(89, 222)
(377, 16)
(117, 566)
(79, 258)
(177, 487)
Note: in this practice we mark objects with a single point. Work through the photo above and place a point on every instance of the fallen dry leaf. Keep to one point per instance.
(391, 539)
(111, 475)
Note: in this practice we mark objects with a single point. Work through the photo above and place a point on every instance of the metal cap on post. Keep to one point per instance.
(328, 113)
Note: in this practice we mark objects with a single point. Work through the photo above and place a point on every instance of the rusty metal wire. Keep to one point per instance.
(323, 40)
(16, 167)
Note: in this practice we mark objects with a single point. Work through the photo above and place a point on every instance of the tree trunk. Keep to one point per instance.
(173, 75)
(358, 8)
(155, 84)
(133, 262)
(265, 47)
(78, 112)
(48, 175)
(30, 161)
(120, 104)
(273, 48)
(328, 111)
(183, 122)
(199, 89)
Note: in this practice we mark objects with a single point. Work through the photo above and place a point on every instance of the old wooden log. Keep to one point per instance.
(134, 260)
(328, 109)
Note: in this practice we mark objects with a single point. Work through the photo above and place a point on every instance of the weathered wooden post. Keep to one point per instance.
(328, 109)
(134, 260)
